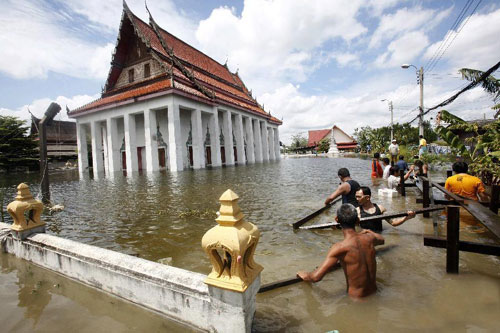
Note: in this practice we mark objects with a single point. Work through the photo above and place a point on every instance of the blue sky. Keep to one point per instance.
(313, 63)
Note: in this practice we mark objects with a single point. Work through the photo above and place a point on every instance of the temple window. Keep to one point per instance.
(147, 70)
(131, 75)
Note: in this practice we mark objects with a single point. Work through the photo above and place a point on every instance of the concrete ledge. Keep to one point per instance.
(177, 293)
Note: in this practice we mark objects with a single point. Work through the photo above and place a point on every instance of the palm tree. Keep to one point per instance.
(491, 85)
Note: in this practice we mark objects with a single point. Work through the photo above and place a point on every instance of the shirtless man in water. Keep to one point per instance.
(356, 254)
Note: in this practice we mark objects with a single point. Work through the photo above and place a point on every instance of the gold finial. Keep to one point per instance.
(230, 246)
(25, 210)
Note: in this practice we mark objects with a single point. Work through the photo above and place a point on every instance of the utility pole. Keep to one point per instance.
(392, 121)
(51, 112)
(421, 117)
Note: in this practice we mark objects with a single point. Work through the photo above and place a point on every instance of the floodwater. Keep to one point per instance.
(163, 217)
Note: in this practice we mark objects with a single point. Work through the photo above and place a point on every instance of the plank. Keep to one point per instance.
(287, 282)
(440, 242)
(373, 218)
(297, 224)
(485, 216)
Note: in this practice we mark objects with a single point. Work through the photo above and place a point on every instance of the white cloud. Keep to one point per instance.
(403, 50)
(405, 20)
(477, 44)
(33, 44)
(107, 14)
(39, 106)
(302, 113)
(274, 42)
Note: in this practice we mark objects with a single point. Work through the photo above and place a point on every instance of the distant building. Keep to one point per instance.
(167, 105)
(61, 138)
(344, 141)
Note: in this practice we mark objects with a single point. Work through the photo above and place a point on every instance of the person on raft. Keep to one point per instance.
(356, 254)
(367, 208)
(347, 189)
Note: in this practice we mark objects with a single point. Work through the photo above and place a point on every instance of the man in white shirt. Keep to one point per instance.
(387, 167)
(395, 178)
(394, 151)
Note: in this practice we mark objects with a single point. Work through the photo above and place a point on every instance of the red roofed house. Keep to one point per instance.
(344, 141)
(167, 105)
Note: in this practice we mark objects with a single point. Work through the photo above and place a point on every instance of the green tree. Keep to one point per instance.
(298, 141)
(324, 145)
(17, 148)
(484, 146)
(491, 85)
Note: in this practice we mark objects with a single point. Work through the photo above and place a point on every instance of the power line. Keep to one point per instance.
(471, 85)
(456, 35)
(450, 32)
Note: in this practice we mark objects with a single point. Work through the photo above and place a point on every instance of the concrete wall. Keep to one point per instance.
(177, 293)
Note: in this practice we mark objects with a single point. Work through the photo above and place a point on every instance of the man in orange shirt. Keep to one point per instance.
(464, 184)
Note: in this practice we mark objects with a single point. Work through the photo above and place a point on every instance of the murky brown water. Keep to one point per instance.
(146, 215)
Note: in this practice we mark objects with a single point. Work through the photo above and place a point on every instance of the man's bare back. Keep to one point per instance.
(356, 254)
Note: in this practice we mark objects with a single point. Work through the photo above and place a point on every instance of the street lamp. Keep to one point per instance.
(392, 123)
(420, 73)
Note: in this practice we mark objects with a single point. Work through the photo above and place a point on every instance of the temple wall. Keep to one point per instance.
(155, 69)
(176, 293)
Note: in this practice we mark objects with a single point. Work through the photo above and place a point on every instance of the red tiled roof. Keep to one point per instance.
(209, 75)
(316, 136)
(126, 95)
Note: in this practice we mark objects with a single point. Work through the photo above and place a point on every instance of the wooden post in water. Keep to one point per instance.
(452, 239)
(449, 173)
(51, 112)
(495, 197)
(402, 183)
(426, 196)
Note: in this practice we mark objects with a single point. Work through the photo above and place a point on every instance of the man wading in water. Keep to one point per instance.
(347, 189)
(356, 254)
(367, 209)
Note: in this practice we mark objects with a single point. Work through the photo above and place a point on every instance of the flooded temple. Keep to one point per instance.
(166, 105)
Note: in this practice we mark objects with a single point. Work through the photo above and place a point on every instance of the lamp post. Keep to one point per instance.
(420, 73)
(392, 118)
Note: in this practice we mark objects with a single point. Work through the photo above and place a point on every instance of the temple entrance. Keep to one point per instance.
(162, 160)
(124, 160)
(141, 158)
(208, 156)
(223, 155)
(190, 155)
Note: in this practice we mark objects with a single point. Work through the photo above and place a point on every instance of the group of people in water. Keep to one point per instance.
(356, 253)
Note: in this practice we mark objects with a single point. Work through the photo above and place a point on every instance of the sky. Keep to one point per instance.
(311, 63)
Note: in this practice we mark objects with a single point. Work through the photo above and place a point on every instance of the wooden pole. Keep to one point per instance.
(452, 239)
(449, 173)
(373, 218)
(495, 197)
(51, 112)
(402, 183)
(426, 196)
(297, 224)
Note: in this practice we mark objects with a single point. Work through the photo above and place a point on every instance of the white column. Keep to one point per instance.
(228, 137)
(175, 146)
(265, 145)
(105, 149)
(239, 135)
(130, 145)
(197, 135)
(213, 124)
(97, 162)
(277, 143)
(272, 155)
(152, 163)
(250, 147)
(113, 145)
(81, 141)
(258, 140)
